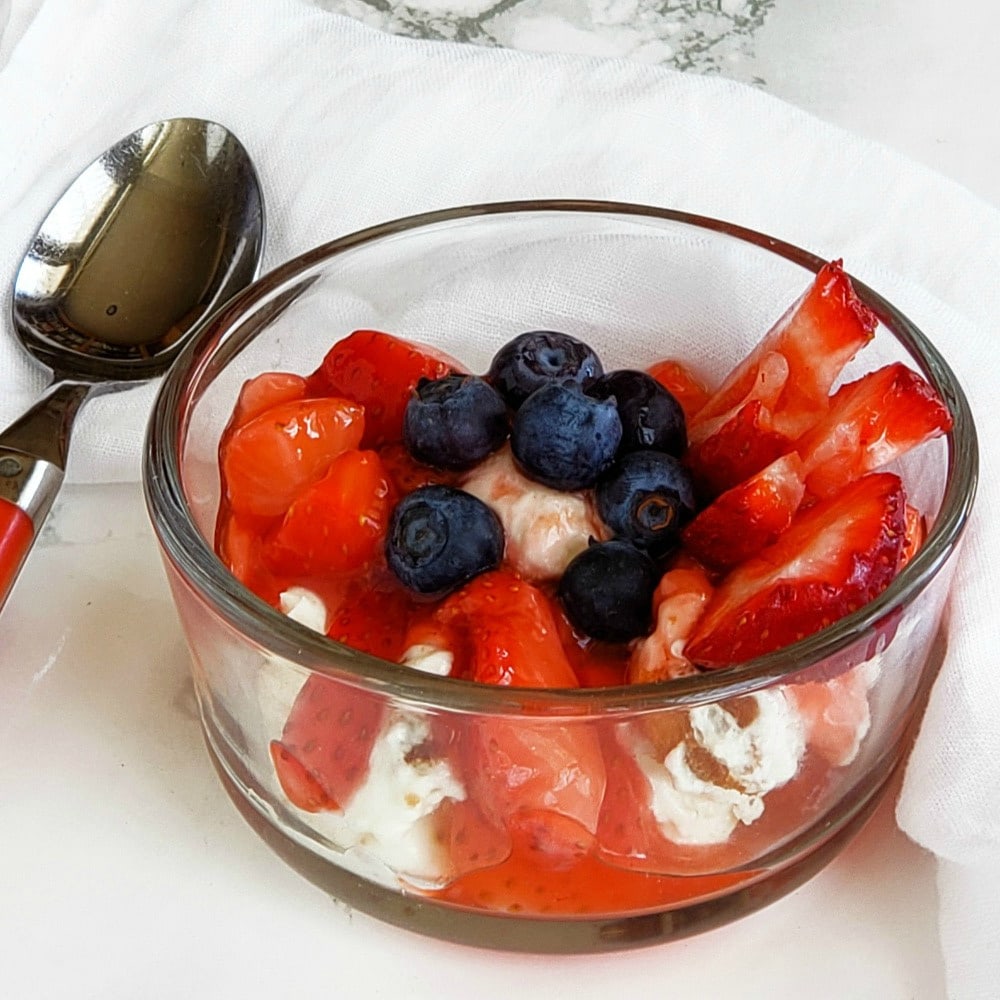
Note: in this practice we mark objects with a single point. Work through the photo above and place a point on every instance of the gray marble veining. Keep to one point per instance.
(706, 36)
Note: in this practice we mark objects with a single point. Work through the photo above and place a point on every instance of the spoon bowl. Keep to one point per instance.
(153, 236)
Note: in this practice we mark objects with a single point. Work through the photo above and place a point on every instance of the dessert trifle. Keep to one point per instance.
(558, 625)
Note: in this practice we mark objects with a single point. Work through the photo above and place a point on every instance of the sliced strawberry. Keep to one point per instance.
(373, 619)
(916, 532)
(239, 545)
(678, 604)
(379, 371)
(870, 422)
(407, 474)
(834, 558)
(270, 460)
(682, 384)
(297, 782)
(628, 833)
(595, 663)
(585, 887)
(322, 757)
(748, 517)
(471, 840)
(835, 713)
(789, 374)
(265, 391)
(337, 524)
(541, 779)
(502, 631)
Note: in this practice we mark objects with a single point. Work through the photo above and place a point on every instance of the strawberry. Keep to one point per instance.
(264, 391)
(541, 779)
(682, 384)
(835, 713)
(833, 558)
(870, 422)
(239, 547)
(502, 631)
(595, 663)
(789, 373)
(916, 532)
(268, 461)
(379, 371)
(737, 449)
(407, 474)
(337, 524)
(748, 517)
(322, 757)
(373, 618)
(678, 603)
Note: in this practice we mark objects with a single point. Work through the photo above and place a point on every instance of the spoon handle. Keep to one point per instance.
(33, 453)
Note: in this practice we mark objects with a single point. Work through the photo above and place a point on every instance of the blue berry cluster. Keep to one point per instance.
(571, 426)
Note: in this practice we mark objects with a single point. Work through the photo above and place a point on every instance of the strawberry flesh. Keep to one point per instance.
(833, 558)
(748, 517)
(870, 423)
(326, 743)
(787, 377)
(379, 371)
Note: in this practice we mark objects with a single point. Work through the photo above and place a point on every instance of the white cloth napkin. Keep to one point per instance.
(350, 127)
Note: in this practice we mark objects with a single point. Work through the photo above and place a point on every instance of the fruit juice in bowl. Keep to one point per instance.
(559, 576)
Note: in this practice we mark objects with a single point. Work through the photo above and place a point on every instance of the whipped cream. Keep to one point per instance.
(428, 658)
(701, 805)
(544, 528)
(387, 828)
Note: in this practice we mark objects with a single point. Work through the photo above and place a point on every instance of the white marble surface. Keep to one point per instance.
(124, 870)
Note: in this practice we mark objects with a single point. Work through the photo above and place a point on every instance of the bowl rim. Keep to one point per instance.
(193, 558)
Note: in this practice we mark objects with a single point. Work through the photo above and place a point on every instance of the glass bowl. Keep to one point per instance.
(613, 853)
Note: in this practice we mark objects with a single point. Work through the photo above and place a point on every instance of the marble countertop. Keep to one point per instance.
(178, 897)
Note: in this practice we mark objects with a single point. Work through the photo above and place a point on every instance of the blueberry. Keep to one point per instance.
(651, 417)
(454, 422)
(564, 439)
(440, 537)
(607, 591)
(646, 498)
(537, 358)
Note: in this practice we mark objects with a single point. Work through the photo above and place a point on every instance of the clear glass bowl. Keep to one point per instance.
(638, 283)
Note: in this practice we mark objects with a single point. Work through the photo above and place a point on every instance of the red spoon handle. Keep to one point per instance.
(16, 535)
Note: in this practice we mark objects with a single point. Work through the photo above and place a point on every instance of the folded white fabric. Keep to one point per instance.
(350, 127)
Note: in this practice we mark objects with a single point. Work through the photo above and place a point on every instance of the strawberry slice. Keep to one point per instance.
(916, 532)
(541, 780)
(501, 630)
(871, 422)
(835, 713)
(239, 547)
(373, 618)
(833, 558)
(814, 339)
(682, 384)
(379, 371)
(337, 524)
(407, 474)
(264, 391)
(678, 603)
(322, 757)
(748, 517)
(268, 461)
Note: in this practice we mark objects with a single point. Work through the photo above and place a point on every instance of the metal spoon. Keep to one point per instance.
(156, 233)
